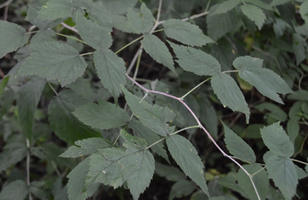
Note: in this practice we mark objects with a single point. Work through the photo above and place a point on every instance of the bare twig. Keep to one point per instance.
(69, 27)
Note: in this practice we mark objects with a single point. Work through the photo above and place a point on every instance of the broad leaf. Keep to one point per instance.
(85, 147)
(66, 126)
(93, 34)
(237, 146)
(54, 61)
(104, 115)
(184, 153)
(58, 191)
(229, 93)
(11, 38)
(260, 4)
(276, 139)
(119, 6)
(279, 2)
(76, 180)
(171, 173)
(158, 51)
(299, 48)
(283, 172)
(196, 61)
(143, 21)
(110, 69)
(225, 7)
(185, 32)
(27, 101)
(260, 180)
(303, 10)
(272, 112)
(15, 190)
(181, 188)
(152, 116)
(121, 23)
(255, 14)
(266, 81)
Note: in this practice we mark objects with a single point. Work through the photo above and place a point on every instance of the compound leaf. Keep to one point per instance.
(225, 7)
(184, 153)
(110, 69)
(66, 126)
(229, 93)
(237, 146)
(196, 61)
(54, 60)
(104, 115)
(76, 181)
(158, 51)
(11, 38)
(255, 14)
(28, 98)
(142, 22)
(283, 172)
(266, 81)
(276, 139)
(260, 180)
(15, 190)
(185, 32)
(93, 34)
(152, 116)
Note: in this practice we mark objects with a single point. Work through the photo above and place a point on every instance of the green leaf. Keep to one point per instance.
(93, 34)
(279, 2)
(237, 146)
(293, 129)
(260, 4)
(181, 188)
(224, 197)
(76, 180)
(121, 23)
(283, 172)
(54, 61)
(104, 115)
(63, 122)
(16, 190)
(110, 69)
(3, 83)
(229, 93)
(143, 21)
(301, 174)
(295, 112)
(219, 25)
(254, 13)
(158, 51)
(196, 61)
(11, 38)
(275, 112)
(114, 166)
(225, 7)
(171, 173)
(150, 136)
(266, 81)
(276, 139)
(185, 32)
(303, 10)
(59, 192)
(119, 6)
(152, 116)
(260, 180)
(184, 153)
(28, 98)
(85, 147)
(299, 48)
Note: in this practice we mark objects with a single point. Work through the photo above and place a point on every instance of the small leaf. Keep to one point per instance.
(93, 34)
(85, 147)
(54, 61)
(237, 146)
(142, 22)
(225, 7)
(63, 122)
(11, 38)
(184, 153)
(154, 117)
(196, 61)
(276, 139)
(229, 93)
(76, 180)
(181, 188)
(104, 115)
(283, 172)
(254, 13)
(260, 180)
(15, 190)
(301, 174)
(28, 98)
(110, 69)
(171, 173)
(185, 32)
(275, 112)
(158, 51)
(293, 129)
(3, 83)
(266, 81)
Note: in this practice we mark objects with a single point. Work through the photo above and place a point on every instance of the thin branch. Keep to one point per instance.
(28, 167)
(69, 27)
(134, 60)
(159, 10)
(195, 88)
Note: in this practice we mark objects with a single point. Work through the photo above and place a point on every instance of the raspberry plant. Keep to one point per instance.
(81, 74)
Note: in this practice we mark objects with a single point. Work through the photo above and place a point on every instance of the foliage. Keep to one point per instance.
(121, 94)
